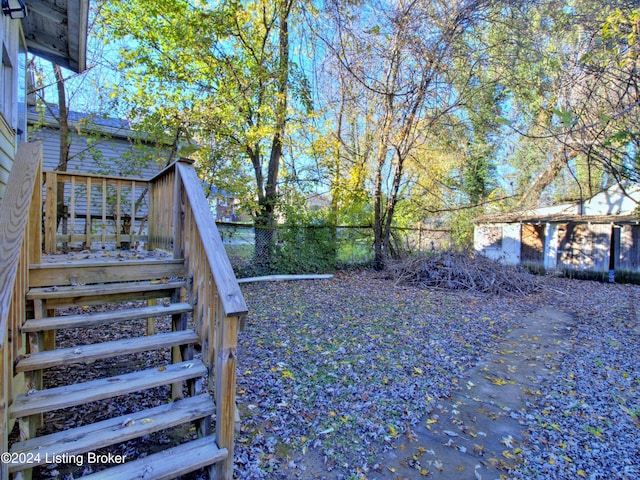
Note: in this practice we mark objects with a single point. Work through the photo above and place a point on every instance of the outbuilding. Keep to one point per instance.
(598, 237)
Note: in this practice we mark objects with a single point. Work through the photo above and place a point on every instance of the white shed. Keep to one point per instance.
(597, 236)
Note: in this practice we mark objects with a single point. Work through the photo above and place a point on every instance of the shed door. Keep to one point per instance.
(532, 247)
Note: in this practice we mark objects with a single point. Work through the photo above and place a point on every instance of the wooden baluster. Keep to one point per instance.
(225, 394)
(103, 239)
(72, 211)
(118, 215)
(88, 222)
(132, 223)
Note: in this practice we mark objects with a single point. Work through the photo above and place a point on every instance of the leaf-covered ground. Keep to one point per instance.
(332, 371)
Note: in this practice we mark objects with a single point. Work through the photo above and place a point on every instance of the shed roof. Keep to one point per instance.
(56, 30)
(523, 217)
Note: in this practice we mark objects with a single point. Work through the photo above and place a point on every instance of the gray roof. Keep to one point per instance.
(523, 217)
(115, 127)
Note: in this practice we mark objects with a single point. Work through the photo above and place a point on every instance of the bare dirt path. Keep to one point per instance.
(473, 433)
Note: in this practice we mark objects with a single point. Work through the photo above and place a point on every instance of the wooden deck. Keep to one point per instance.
(171, 251)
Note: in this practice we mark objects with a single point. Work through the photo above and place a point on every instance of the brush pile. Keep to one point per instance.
(462, 271)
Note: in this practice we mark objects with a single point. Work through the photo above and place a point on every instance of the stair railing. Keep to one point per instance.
(180, 219)
(20, 244)
(87, 210)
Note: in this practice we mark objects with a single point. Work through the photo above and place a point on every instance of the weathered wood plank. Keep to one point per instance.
(73, 273)
(80, 393)
(167, 464)
(7, 374)
(35, 221)
(91, 437)
(108, 238)
(89, 223)
(111, 179)
(104, 318)
(228, 289)
(78, 292)
(14, 210)
(103, 226)
(72, 211)
(225, 394)
(85, 353)
(53, 303)
(15, 252)
(50, 212)
(118, 214)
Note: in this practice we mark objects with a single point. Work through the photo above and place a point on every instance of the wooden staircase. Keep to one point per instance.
(181, 300)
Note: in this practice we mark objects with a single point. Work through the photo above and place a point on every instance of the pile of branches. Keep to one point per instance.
(462, 271)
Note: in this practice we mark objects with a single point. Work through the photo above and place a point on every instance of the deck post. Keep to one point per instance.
(50, 219)
(225, 390)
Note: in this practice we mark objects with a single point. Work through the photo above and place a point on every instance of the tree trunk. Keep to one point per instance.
(265, 219)
(532, 195)
(63, 158)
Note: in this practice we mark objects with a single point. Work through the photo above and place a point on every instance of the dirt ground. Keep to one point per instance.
(357, 378)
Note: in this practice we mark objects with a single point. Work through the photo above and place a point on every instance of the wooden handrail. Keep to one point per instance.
(228, 289)
(19, 230)
(180, 218)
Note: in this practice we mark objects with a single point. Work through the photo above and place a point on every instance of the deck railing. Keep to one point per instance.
(180, 217)
(89, 211)
(177, 217)
(20, 244)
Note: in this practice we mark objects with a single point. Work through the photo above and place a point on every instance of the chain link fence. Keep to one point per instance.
(318, 248)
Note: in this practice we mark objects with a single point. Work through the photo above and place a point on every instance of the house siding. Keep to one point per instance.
(9, 35)
(7, 152)
(108, 155)
(111, 153)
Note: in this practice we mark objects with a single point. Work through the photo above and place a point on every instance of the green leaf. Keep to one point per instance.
(565, 116)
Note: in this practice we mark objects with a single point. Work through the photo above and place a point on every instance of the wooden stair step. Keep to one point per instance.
(79, 393)
(102, 318)
(79, 291)
(96, 351)
(86, 272)
(168, 464)
(90, 320)
(88, 438)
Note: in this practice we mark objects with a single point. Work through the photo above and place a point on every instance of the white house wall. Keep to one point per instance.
(551, 247)
(612, 202)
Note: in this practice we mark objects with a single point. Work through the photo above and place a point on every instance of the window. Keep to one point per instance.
(6, 84)
(13, 94)
(21, 125)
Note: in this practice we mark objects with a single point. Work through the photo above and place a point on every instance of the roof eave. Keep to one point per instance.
(58, 36)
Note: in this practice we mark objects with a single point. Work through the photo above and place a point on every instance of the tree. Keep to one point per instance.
(399, 57)
(570, 94)
(219, 77)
